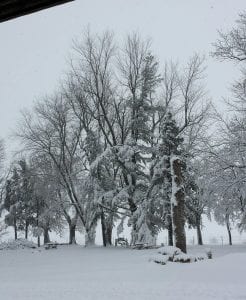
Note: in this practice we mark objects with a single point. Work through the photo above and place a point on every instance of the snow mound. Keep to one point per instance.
(169, 250)
(17, 244)
(174, 254)
(159, 259)
(185, 258)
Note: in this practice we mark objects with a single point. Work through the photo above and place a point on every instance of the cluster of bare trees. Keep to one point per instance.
(121, 140)
(112, 131)
(118, 140)
(225, 153)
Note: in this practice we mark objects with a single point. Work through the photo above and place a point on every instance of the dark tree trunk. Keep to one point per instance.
(131, 203)
(199, 232)
(26, 230)
(89, 237)
(106, 230)
(72, 224)
(170, 233)
(178, 196)
(72, 231)
(109, 234)
(15, 228)
(228, 227)
(37, 221)
(104, 237)
(46, 236)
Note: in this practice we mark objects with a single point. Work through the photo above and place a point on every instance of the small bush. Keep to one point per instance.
(209, 254)
(159, 259)
(17, 244)
(174, 254)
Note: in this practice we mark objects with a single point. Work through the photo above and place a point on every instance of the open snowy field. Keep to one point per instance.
(116, 273)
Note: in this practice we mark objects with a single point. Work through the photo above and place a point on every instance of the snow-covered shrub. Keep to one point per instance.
(209, 253)
(160, 259)
(174, 254)
(17, 244)
(169, 250)
(185, 258)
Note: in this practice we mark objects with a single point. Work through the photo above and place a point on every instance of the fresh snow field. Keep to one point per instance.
(75, 272)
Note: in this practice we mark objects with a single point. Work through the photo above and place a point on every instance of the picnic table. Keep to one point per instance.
(142, 246)
(51, 245)
(122, 242)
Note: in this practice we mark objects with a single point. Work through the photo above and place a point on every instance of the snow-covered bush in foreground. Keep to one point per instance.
(17, 244)
(159, 259)
(169, 250)
(185, 258)
(174, 254)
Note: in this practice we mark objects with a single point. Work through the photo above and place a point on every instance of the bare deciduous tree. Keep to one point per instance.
(231, 45)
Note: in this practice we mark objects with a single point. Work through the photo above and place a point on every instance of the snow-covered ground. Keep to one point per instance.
(75, 272)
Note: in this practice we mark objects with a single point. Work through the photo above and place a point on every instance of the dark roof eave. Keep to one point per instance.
(10, 9)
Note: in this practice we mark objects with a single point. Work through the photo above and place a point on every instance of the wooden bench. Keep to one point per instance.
(50, 246)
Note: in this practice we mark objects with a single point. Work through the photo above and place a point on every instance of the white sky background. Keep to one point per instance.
(34, 49)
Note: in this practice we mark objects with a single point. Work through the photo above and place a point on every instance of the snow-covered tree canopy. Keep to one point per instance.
(107, 137)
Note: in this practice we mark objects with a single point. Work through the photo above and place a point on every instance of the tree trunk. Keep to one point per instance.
(72, 224)
(16, 235)
(46, 236)
(170, 233)
(104, 236)
(15, 228)
(106, 230)
(72, 230)
(37, 222)
(109, 234)
(177, 204)
(26, 230)
(134, 234)
(90, 235)
(228, 227)
(199, 232)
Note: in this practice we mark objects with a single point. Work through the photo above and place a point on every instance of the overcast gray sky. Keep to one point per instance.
(34, 49)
